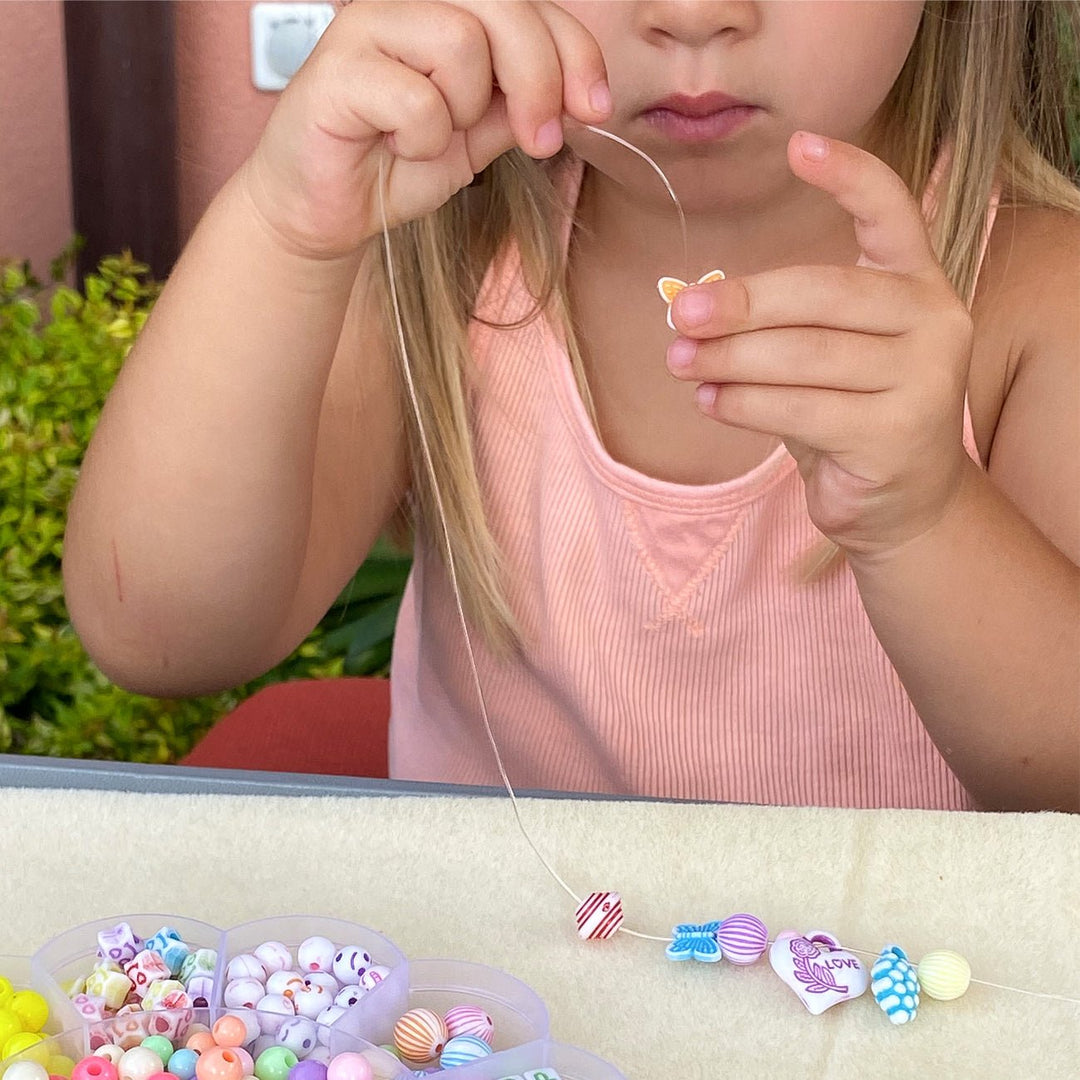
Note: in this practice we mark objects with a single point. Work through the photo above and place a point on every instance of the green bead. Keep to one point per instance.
(274, 1063)
(161, 1046)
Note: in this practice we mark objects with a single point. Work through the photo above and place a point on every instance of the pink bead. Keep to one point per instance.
(350, 1067)
(163, 1076)
(95, 1068)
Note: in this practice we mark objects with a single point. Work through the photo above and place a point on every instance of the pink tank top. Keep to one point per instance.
(670, 649)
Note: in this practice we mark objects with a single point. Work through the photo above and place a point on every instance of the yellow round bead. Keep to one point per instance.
(10, 1025)
(26, 1043)
(7, 991)
(31, 1008)
(944, 974)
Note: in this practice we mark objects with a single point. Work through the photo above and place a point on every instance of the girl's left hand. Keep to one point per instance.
(861, 370)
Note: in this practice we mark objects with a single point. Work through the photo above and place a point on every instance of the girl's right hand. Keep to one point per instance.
(437, 89)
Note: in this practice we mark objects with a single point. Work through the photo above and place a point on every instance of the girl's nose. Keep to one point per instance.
(696, 22)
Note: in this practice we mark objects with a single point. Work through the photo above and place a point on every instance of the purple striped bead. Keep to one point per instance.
(743, 938)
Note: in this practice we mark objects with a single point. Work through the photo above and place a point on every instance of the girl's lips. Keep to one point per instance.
(683, 126)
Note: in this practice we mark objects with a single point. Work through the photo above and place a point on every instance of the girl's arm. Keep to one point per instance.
(981, 615)
(239, 471)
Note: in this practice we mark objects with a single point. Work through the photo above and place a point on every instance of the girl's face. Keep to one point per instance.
(820, 65)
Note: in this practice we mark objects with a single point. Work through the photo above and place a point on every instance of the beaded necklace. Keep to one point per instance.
(813, 965)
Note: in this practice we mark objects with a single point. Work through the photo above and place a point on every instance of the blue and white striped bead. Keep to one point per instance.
(462, 1049)
(895, 985)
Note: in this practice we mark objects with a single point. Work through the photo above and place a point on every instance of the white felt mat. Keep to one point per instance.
(454, 878)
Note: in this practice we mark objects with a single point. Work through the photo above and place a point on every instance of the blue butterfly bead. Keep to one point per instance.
(695, 941)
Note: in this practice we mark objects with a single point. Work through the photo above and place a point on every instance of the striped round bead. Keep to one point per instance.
(944, 974)
(420, 1035)
(462, 1049)
(743, 938)
(470, 1020)
(599, 916)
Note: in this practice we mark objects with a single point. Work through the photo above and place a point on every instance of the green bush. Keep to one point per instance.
(54, 375)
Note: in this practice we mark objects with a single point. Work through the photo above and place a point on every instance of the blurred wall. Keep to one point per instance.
(220, 116)
(35, 164)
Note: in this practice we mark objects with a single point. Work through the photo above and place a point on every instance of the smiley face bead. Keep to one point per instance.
(350, 964)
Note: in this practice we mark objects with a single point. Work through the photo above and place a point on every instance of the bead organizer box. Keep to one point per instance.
(300, 985)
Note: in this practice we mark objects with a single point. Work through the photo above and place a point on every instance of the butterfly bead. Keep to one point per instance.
(670, 287)
(695, 941)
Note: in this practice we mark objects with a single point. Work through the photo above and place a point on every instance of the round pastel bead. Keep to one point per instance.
(245, 966)
(944, 974)
(350, 963)
(470, 1020)
(26, 1070)
(200, 1042)
(140, 1063)
(315, 954)
(161, 1046)
(349, 1066)
(230, 1030)
(743, 938)
(163, 1076)
(298, 1034)
(308, 1070)
(272, 1009)
(182, 1063)
(95, 1068)
(275, 1063)
(420, 1035)
(219, 1063)
(462, 1049)
(280, 981)
(31, 1008)
(247, 1062)
(111, 1052)
(243, 993)
(252, 1027)
(274, 956)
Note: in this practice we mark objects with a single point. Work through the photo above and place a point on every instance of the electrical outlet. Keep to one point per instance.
(282, 37)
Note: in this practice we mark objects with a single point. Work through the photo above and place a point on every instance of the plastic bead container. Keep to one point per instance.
(71, 956)
(291, 930)
(76, 1044)
(522, 1041)
(517, 1012)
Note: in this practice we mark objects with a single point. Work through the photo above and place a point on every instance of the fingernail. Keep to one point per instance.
(680, 353)
(549, 137)
(600, 98)
(706, 396)
(814, 147)
(693, 306)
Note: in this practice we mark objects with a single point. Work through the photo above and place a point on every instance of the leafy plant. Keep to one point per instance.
(54, 375)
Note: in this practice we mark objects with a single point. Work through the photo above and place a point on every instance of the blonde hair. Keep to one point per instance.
(994, 79)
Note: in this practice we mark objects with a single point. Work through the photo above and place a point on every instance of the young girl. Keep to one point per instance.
(818, 546)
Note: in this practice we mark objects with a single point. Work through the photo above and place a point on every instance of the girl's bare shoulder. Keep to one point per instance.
(1026, 309)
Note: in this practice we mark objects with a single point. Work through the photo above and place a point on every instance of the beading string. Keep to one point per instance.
(452, 568)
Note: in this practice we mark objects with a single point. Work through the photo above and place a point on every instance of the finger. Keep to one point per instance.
(526, 66)
(827, 420)
(489, 138)
(586, 94)
(788, 356)
(889, 225)
(844, 297)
